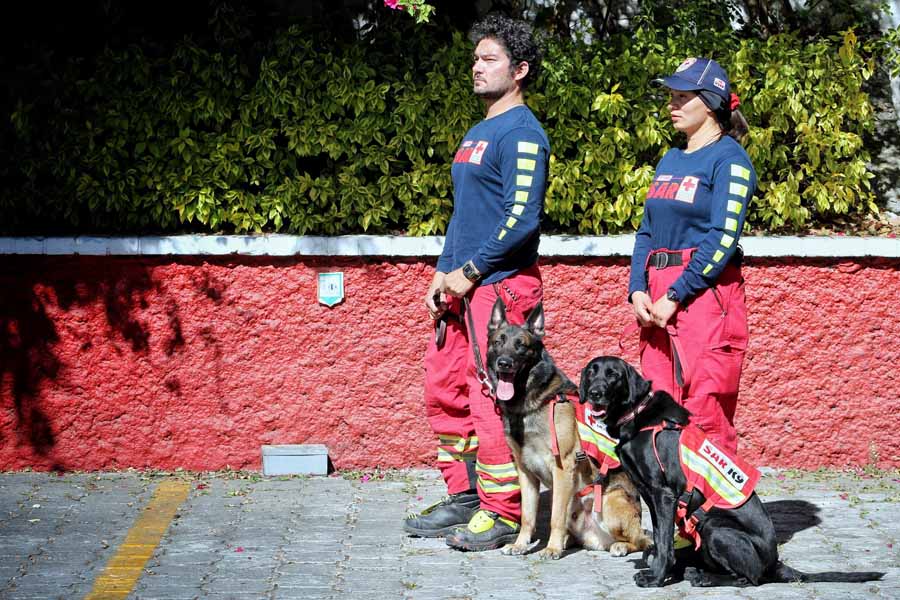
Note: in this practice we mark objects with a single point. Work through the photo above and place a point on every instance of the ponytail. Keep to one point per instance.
(731, 120)
(732, 123)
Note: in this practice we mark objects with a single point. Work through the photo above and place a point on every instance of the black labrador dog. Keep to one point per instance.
(738, 546)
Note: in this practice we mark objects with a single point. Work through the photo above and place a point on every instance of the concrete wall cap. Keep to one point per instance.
(402, 246)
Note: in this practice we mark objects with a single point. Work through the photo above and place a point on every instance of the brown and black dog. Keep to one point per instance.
(528, 384)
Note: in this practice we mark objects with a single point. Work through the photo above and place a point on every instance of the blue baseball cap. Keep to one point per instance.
(702, 75)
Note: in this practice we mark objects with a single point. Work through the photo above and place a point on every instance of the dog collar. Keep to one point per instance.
(630, 416)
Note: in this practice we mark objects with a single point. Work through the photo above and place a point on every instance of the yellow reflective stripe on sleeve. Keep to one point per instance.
(502, 234)
(735, 206)
(717, 257)
(739, 171)
(727, 240)
(504, 471)
(518, 209)
(511, 222)
(525, 164)
(731, 224)
(523, 180)
(720, 484)
(528, 148)
(738, 189)
(521, 196)
(707, 269)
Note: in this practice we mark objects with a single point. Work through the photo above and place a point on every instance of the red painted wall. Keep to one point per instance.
(109, 362)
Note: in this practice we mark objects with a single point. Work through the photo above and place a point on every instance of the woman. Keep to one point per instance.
(686, 287)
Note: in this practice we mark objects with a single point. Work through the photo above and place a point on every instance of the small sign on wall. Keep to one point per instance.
(331, 288)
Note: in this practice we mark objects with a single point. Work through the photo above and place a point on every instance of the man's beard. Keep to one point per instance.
(489, 94)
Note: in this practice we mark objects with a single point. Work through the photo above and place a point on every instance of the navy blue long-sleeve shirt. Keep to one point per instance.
(697, 200)
(499, 181)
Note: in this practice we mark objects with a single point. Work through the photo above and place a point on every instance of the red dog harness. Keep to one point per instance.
(725, 480)
(595, 443)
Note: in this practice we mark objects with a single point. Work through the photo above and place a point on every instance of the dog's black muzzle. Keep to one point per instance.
(504, 364)
(596, 397)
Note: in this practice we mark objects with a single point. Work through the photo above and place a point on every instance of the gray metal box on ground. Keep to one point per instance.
(295, 459)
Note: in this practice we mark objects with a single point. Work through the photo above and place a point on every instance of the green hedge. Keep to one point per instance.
(309, 137)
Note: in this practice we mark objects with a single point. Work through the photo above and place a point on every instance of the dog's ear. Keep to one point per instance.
(535, 321)
(638, 386)
(498, 316)
(583, 385)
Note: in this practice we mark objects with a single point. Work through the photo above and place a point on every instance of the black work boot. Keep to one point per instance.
(442, 517)
(485, 531)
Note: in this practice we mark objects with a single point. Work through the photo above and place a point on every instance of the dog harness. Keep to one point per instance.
(595, 443)
(725, 480)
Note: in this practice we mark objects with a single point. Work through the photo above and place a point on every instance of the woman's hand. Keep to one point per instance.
(662, 310)
(641, 305)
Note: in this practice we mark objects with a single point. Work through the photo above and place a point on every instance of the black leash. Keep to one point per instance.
(480, 372)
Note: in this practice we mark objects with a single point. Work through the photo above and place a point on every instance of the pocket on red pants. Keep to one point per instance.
(522, 292)
(720, 367)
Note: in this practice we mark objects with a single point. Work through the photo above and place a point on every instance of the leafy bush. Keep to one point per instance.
(307, 136)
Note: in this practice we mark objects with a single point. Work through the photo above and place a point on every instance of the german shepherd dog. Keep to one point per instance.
(738, 545)
(528, 383)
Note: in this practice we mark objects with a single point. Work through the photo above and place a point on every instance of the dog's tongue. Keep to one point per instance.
(505, 387)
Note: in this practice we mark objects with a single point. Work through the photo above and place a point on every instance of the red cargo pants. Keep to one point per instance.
(698, 357)
(472, 449)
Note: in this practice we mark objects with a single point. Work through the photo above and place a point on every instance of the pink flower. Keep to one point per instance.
(393, 4)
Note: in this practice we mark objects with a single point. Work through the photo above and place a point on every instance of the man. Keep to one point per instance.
(499, 179)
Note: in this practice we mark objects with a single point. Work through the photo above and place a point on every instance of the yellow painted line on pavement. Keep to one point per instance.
(126, 566)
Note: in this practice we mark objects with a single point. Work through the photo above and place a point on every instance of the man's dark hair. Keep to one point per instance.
(516, 37)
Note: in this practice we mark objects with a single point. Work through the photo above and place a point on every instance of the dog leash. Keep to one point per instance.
(480, 372)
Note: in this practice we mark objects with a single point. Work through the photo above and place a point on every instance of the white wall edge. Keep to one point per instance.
(376, 245)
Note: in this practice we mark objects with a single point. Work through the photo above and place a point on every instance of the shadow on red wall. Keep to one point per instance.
(29, 360)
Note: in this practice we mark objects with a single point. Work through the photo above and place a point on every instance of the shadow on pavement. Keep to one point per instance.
(792, 516)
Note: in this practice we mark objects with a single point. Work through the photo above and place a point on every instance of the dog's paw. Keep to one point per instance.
(514, 549)
(550, 553)
(696, 577)
(618, 549)
(646, 579)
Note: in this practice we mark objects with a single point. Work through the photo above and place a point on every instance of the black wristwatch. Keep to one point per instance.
(470, 272)
(672, 295)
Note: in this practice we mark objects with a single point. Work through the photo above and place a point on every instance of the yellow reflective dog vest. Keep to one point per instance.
(725, 480)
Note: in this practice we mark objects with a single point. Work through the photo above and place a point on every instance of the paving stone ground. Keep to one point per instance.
(243, 536)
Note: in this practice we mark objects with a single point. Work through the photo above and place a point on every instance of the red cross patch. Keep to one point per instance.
(687, 189)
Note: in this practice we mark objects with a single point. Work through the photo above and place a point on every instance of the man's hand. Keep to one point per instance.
(435, 309)
(456, 284)
(662, 310)
(641, 305)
